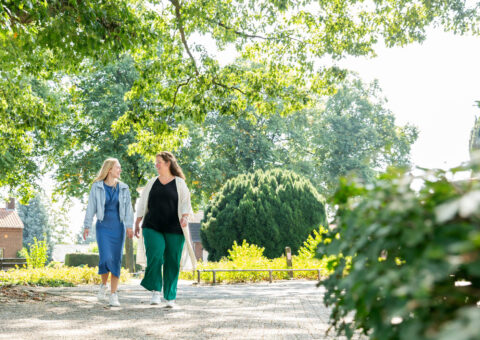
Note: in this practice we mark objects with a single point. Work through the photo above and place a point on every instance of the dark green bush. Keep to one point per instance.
(271, 209)
(415, 258)
(81, 259)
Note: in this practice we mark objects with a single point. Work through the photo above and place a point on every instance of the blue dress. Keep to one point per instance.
(110, 234)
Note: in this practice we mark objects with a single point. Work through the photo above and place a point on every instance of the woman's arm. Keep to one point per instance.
(137, 226)
(91, 209)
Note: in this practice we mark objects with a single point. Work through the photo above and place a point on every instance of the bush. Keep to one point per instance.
(247, 256)
(36, 255)
(81, 259)
(271, 209)
(415, 258)
(93, 248)
(54, 276)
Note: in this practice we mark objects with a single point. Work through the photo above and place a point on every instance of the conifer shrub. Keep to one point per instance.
(271, 209)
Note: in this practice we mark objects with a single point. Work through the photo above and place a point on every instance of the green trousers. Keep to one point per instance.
(162, 249)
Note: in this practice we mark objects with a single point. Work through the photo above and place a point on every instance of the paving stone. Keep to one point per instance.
(281, 310)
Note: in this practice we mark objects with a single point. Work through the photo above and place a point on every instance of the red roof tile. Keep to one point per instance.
(10, 219)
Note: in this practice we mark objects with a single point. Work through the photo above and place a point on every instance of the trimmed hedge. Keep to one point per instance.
(91, 259)
(81, 259)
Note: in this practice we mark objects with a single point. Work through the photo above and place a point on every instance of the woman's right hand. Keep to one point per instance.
(137, 230)
(85, 234)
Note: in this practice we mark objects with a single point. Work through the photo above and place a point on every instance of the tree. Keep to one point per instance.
(59, 224)
(181, 76)
(86, 138)
(351, 131)
(271, 209)
(474, 142)
(41, 40)
(35, 222)
(354, 133)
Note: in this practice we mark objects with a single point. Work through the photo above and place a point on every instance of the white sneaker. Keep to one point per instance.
(102, 291)
(155, 298)
(114, 300)
(170, 304)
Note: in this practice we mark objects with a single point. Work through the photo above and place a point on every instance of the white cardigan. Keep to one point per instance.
(184, 207)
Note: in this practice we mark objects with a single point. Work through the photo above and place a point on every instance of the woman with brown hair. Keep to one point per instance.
(164, 205)
(110, 201)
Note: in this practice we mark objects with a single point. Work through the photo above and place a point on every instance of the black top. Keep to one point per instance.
(162, 212)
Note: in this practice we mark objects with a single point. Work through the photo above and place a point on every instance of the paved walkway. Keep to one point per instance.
(281, 310)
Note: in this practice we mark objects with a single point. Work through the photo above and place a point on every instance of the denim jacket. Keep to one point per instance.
(96, 205)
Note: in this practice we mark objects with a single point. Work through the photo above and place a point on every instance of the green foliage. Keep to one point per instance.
(81, 259)
(37, 254)
(415, 257)
(79, 153)
(35, 220)
(22, 253)
(177, 47)
(93, 248)
(55, 276)
(310, 246)
(474, 142)
(272, 209)
(250, 256)
(351, 131)
(245, 250)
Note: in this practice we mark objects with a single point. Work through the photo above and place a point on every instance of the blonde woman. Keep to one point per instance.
(164, 205)
(110, 201)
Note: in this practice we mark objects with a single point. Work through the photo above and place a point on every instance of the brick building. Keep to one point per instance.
(11, 231)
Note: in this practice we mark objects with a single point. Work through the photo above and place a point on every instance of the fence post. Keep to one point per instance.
(288, 254)
(214, 277)
(270, 274)
(198, 275)
(318, 275)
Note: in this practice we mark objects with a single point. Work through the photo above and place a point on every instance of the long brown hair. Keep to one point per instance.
(175, 169)
(106, 167)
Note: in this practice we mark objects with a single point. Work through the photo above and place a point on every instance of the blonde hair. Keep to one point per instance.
(175, 169)
(108, 164)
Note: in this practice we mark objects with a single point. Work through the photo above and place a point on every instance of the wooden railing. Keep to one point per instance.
(270, 271)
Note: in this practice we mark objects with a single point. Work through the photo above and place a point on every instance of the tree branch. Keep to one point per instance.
(176, 4)
(252, 36)
(214, 82)
(178, 88)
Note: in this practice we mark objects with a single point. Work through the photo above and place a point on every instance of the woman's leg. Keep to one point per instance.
(113, 283)
(171, 268)
(105, 278)
(154, 249)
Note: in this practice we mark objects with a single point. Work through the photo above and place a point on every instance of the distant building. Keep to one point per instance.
(11, 231)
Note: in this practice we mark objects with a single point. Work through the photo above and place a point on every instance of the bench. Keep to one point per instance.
(8, 263)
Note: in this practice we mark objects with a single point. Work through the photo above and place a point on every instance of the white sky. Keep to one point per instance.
(433, 86)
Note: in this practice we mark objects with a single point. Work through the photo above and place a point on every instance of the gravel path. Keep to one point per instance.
(281, 310)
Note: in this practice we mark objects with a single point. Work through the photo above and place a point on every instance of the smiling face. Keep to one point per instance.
(163, 167)
(115, 171)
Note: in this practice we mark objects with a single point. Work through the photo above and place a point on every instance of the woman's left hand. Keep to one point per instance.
(184, 222)
(130, 233)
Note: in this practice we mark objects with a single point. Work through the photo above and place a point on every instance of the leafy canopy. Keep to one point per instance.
(283, 48)
(351, 131)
